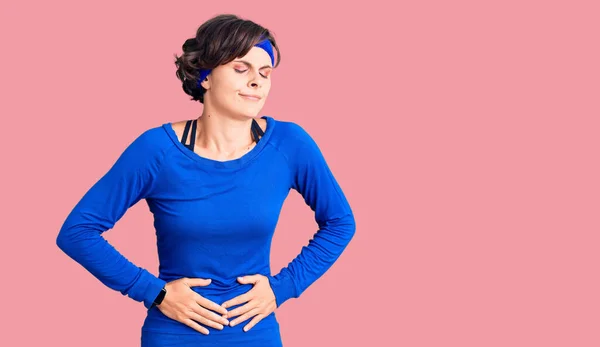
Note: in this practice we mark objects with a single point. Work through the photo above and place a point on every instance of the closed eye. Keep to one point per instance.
(242, 71)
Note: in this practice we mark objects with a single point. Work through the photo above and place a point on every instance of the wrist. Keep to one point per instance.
(160, 297)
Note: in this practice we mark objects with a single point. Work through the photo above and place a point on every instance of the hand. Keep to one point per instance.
(261, 301)
(182, 304)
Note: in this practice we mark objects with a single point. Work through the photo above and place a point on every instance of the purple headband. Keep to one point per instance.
(265, 44)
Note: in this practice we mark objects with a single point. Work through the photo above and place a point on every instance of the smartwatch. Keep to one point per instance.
(159, 297)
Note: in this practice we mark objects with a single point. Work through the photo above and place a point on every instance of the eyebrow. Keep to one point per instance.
(247, 63)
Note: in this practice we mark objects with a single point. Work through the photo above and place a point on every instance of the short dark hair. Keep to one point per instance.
(218, 41)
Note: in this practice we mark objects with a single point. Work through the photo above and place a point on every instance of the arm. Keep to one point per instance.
(313, 179)
(129, 180)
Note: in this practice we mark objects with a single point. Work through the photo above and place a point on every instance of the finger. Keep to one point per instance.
(211, 305)
(201, 319)
(190, 323)
(193, 282)
(210, 315)
(244, 317)
(249, 279)
(242, 309)
(254, 320)
(238, 300)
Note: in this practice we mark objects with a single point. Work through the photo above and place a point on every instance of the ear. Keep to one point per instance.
(205, 84)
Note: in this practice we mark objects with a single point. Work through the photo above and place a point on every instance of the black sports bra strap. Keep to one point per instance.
(193, 139)
(256, 130)
(254, 134)
(185, 132)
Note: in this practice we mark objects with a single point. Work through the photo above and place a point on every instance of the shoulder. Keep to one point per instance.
(292, 135)
(151, 139)
(178, 127)
(147, 146)
(296, 143)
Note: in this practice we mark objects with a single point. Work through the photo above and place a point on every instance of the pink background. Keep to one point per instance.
(465, 135)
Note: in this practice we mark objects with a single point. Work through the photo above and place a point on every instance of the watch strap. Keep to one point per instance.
(159, 297)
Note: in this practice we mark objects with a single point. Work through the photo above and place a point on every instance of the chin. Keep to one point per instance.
(251, 114)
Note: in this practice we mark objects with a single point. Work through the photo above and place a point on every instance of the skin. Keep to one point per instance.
(223, 134)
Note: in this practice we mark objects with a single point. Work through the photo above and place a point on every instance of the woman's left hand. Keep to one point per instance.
(260, 302)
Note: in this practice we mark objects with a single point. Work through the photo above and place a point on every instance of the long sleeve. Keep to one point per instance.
(129, 180)
(313, 179)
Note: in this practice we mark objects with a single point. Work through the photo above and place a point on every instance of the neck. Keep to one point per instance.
(223, 135)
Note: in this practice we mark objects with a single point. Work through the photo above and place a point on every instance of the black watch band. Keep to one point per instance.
(159, 297)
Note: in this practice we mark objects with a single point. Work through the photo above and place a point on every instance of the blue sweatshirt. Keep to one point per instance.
(213, 219)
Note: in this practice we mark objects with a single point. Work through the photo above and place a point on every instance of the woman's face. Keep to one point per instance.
(229, 84)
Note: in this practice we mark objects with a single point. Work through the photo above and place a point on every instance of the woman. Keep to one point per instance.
(215, 185)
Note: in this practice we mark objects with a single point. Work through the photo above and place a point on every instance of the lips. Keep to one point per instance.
(250, 97)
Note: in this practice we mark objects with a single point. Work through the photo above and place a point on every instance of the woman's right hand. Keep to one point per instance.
(182, 304)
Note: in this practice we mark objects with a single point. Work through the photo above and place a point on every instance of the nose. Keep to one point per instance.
(255, 81)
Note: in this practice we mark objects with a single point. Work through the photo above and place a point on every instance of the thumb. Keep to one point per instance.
(248, 279)
(192, 282)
